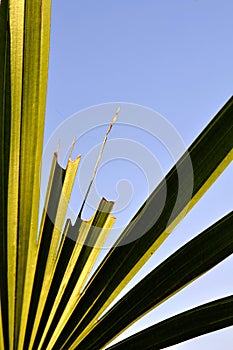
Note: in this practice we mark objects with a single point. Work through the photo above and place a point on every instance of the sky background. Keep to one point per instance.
(174, 57)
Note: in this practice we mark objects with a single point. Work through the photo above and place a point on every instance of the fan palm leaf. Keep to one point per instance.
(41, 304)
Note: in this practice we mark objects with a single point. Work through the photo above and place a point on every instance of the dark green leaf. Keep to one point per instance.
(193, 323)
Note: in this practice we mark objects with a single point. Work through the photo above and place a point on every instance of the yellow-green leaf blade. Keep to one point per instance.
(35, 15)
(5, 123)
(16, 22)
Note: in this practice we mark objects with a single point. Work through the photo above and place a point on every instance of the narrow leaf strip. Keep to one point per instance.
(87, 259)
(16, 21)
(1, 329)
(80, 230)
(34, 87)
(64, 255)
(97, 233)
(181, 268)
(47, 226)
(193, 323)
(5, 124)
(59, 215)
(32, 291)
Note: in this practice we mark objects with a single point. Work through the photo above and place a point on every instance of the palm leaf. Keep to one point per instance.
(190, 324)
(61, 187)
(23, 93)
(5, 122)
(40, 283)
(213, 147)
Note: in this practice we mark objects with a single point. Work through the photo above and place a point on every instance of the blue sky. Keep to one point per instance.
(172, 56)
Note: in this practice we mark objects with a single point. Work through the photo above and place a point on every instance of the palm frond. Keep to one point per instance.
(210, 153)
(45, 300)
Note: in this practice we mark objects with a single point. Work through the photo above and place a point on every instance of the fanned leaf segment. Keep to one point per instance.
(24, 48)
(190, 324)
(43, 301)
(5, 123)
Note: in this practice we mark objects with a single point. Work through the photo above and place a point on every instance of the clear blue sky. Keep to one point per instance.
(173, 56)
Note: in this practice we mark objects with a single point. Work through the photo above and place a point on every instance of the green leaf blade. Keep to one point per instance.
(193, 323)
(5, 124)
